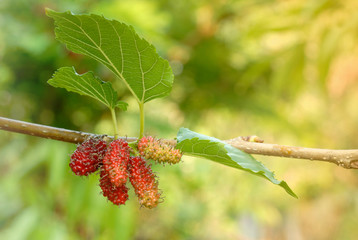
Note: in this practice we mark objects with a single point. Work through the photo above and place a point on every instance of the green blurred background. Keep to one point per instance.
(286, 71)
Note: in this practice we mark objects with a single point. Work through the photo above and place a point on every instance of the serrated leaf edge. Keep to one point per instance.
(98, 97)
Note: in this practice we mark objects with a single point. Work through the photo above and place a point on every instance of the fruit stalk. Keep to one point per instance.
(115, 126)
(141, 112)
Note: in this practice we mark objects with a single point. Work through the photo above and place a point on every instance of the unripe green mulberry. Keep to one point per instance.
(151, 148)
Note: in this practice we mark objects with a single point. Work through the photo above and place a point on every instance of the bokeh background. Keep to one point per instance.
(286, 71)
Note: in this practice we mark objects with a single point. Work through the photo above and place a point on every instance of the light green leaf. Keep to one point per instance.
(122, 105)
(195, 144)
(118, 47)
(85, 84)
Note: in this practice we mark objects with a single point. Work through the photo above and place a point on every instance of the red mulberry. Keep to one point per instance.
(115, 162)
(144, 182)
(88, 156)
(117, 195)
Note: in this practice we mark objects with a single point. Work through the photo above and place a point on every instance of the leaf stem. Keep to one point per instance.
(115, 126)
(141, 113)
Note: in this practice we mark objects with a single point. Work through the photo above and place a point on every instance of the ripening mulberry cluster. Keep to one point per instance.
(116, 164)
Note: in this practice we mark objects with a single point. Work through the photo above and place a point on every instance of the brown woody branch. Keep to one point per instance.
(48, 132)
(343, 158)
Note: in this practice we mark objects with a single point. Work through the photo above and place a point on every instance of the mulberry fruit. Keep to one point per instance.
(154, 149)
(144, 182)
(115, 162)
(87, 157)
(118, 195)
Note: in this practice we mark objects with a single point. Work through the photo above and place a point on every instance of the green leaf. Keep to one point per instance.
(85, 84)
(122, 105)
(118, 47)
(195, 144)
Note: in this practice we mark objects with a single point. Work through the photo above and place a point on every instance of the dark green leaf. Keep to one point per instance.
(118, 47)
(195, 144)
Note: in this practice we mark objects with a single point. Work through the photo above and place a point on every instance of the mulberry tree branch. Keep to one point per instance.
(344, 158)
(48, 132)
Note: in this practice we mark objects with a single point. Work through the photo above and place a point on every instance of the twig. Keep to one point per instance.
(344, 158)
(48, 132)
